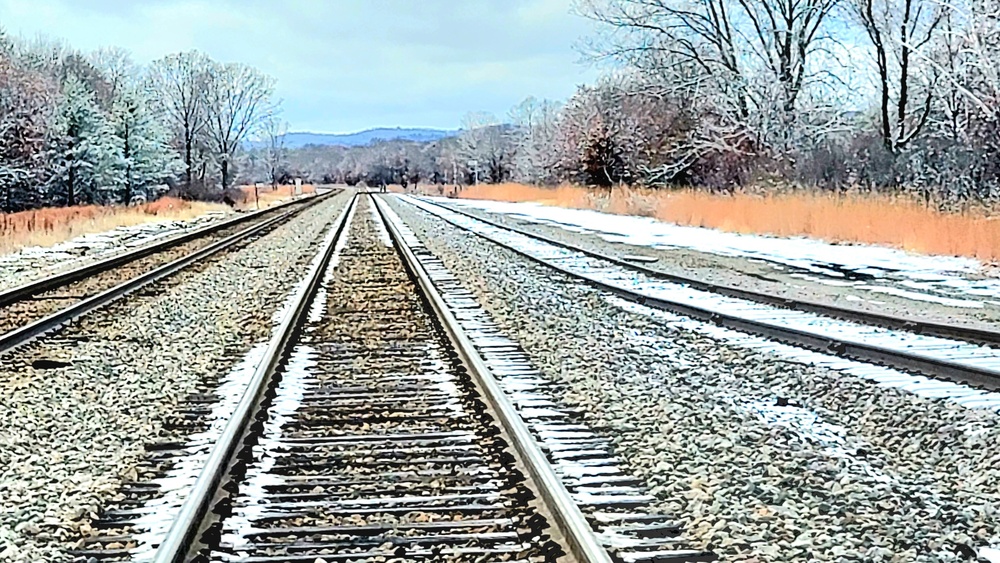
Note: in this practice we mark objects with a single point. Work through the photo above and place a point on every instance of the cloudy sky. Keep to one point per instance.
(346, 65)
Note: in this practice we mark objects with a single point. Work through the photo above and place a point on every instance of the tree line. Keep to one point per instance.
(873, 94)
(80, 128)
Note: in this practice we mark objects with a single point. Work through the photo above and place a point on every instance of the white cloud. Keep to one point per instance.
(348, 64)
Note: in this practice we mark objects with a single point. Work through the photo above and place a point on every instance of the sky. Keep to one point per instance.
(346, 65)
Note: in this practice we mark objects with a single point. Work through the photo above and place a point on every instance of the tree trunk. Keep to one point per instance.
(71, 193)
(225, 173)
(904, 78)
(127, 153)
(187, 162)
(128, 185)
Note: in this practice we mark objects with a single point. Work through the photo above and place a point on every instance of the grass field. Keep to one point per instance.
(269, 197)
(49, 226)
(851, 218)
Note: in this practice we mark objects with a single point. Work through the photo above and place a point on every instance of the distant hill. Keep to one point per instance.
(298, 140)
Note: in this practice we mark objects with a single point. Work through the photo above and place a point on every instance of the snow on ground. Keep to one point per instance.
(941, 279)
(34, 262)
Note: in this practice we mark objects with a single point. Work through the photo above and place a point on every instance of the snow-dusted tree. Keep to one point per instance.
(84, 152)
(746, 61)
(485, 146)
(534, 138)
(975, 39)
(148, 160)
(237, 101)
(901, 34)
(592, 140)
(117, 67)
(78, 66)
(964, 136)
(26, 99)
(180, 83)
(275, 154)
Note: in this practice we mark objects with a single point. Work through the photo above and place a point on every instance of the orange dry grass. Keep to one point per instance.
(269, 197)
(851, 218)
(52, 225)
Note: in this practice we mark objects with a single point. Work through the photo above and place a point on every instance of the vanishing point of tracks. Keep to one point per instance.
(371, 429)
(32, 309)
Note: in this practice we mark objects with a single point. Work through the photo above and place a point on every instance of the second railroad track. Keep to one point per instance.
(945, 351)
(29, 310)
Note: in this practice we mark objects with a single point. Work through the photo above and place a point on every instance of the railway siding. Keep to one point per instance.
(960, 359)
(36, 308)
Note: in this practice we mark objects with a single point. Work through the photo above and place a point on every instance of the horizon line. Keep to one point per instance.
(398, 127)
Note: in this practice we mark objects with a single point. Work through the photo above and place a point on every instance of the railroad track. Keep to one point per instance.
(372, 429)
(32, 309)
(931, 328)
(944, 351)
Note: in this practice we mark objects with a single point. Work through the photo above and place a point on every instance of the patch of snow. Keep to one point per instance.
(990, 554)
(919, 296)
(875, 267)
(919, 385)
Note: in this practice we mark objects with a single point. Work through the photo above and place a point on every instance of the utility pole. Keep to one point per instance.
(475, 171)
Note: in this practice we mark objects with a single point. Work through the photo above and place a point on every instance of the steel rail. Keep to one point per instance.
(909, 324)
(26, 333)
(868, 353)
(181, 539)
(569, 519)
(56, 281)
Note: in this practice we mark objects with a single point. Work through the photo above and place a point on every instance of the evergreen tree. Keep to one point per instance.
(147, 157)
(85, 152)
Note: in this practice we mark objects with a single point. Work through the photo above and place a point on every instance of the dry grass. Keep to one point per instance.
(843, 218)
(49, 226)
(268, 196)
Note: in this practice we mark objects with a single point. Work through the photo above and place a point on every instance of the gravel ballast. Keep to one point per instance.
(78, 407)
(763, 458)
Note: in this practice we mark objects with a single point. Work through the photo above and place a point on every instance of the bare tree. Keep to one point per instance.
(117, 67)
(534, 139)
(26, 107)
(484, 143)
(238, 100)
(900, 31)
(274, 135)
(974, 36)
(750, 57)
(180, 82)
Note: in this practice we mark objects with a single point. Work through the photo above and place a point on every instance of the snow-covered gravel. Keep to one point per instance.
(944, 289)
(69, 436)
(765, 459)
(36, 262)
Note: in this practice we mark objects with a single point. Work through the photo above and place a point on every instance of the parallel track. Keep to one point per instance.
(367, 432)
(32, 309)
(866, 339)
(915, 325)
